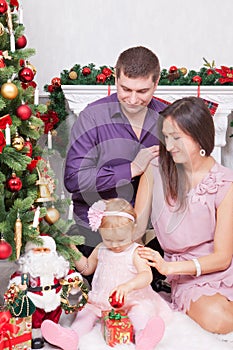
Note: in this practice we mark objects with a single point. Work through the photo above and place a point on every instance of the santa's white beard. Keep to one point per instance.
(44, 264)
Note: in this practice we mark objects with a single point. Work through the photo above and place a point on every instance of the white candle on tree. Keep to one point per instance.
(20, 15)
(36, 96)
(36, 218)
(8, 135)
(49, 140)
(70, 213)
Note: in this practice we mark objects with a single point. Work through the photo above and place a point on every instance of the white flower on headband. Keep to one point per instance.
(95, 215)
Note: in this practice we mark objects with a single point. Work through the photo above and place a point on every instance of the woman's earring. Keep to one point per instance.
(202, 152)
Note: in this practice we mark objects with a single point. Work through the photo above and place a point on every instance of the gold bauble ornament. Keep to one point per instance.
(183, 70)
(73, 75)
(18, 142)
(9, 90)
(52, 215)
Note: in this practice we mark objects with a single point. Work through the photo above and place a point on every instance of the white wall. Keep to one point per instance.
(181, 32)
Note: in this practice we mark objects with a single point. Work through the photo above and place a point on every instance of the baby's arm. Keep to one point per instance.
(86, 266)
(142, 279)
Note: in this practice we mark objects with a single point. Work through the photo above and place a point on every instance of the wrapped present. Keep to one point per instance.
(15, 332)
(116, 327)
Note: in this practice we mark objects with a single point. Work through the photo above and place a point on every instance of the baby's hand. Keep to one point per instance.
(120, 293)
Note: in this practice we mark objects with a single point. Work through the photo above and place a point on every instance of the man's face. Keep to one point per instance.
(134, 94)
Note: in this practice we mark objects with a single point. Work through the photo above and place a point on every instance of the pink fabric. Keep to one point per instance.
(114, 269)
(189, 234)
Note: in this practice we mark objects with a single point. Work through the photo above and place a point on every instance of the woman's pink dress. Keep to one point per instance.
(190, 234)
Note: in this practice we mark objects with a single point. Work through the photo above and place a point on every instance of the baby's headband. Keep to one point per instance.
(97, 211)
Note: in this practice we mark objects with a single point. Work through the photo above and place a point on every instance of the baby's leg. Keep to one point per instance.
(84, 322)
(68, 338)
(149, 329)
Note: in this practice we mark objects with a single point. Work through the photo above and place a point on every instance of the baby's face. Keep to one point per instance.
(117, 239)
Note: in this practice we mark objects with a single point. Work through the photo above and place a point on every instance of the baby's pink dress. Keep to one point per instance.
(190, 234)
(114, 269)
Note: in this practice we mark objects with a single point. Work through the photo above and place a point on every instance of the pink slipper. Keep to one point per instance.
(151, 335)
(64, 338)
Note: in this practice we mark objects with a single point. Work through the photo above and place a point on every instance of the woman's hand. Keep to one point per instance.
(154, 259)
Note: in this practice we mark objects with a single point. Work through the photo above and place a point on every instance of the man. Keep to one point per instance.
(114, 139)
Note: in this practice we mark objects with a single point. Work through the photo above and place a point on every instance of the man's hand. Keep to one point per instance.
(143, 159)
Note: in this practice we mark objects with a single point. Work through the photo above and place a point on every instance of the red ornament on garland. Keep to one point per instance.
(107, 71)
(5, 249)
(24, 112)
(86, 71)
(173, 69)
(115, 303)
(101, 78)
(26, 75)
(21, 42)
(14, 184)
(197, 79)
(3, 6)
(56, 82)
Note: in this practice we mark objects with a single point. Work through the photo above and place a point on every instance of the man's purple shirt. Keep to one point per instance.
(103, 144)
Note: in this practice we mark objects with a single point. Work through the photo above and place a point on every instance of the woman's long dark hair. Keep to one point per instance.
(193, 117)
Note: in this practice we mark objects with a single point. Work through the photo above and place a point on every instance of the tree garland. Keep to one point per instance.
(66, 288)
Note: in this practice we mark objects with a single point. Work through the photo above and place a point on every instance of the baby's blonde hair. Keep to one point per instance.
(119, 205)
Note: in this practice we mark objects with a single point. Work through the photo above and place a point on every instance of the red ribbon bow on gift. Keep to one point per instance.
(6, 327)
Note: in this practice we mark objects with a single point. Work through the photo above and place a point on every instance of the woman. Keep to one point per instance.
(190, 199)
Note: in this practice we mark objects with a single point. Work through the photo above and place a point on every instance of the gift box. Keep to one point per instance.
(15, 332)
(116, 327)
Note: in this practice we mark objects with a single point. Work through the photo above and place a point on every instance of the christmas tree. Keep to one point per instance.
(29, 205)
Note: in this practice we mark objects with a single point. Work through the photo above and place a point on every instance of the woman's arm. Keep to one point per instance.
(86, 266)
(143, 202)
(218, 260)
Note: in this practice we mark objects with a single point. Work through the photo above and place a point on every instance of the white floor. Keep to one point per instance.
(181, 334)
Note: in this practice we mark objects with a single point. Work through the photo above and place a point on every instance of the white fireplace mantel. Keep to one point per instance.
(78, 96)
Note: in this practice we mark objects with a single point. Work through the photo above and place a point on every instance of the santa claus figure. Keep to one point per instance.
(44, 268)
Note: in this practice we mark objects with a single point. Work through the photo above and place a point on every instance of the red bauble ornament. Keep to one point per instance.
(21, 42)
(24, 112)
(51, 88)
(101, 78)
(3, 6)
(113, 302)
(14, 184)
(86, 71)
(197, 79)
(56, 82)
(26, 75)
(5, 249)
(107, 71)
(28, 144)
(173, 69)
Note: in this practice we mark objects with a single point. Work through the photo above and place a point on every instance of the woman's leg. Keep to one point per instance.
(213, 313)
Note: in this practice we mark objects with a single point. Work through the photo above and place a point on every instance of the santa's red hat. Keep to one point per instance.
(48, 242)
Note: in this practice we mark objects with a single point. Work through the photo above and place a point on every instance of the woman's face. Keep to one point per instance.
(181, 146)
